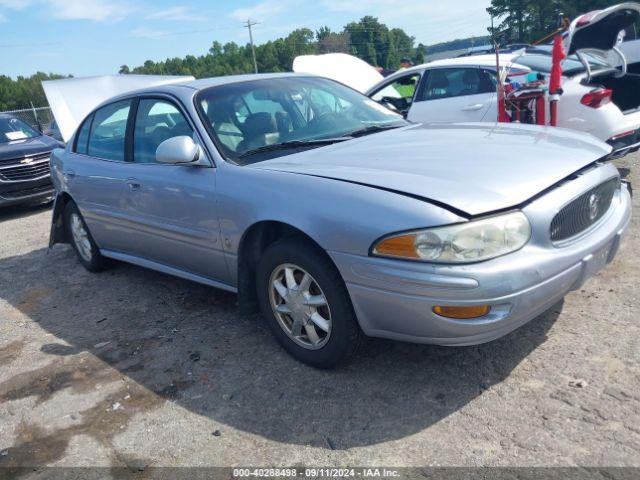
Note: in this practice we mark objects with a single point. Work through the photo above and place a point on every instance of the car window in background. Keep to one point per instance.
(455, 82)
(156, 121)
(403, 87)
(12, 129)
(108, 131)
(83, 136)
(246, 117)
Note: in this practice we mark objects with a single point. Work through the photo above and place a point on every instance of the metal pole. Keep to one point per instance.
(253, 48)
(35, 116)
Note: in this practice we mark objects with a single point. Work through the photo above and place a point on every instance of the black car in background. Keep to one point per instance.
(24, 163)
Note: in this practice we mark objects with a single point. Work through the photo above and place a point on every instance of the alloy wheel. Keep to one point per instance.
(300, 306)
(81, 237)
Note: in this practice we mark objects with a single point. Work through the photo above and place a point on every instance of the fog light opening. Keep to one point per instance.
(462, 313)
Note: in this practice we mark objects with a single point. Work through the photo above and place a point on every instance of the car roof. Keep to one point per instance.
(204, 83)
(474, 61)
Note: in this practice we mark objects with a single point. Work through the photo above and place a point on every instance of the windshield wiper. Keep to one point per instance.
(374, 129)
(318, 142)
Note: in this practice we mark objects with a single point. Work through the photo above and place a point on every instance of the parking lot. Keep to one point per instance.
(132, 368)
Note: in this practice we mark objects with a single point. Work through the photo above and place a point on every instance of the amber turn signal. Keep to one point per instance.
(462, 313)
(403, 246)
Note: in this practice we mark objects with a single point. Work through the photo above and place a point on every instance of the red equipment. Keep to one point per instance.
(555, 82)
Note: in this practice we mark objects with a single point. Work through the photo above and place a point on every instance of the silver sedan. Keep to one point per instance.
(335, 216)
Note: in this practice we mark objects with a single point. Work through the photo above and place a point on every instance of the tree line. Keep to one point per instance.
(368, 39)
(23, 91)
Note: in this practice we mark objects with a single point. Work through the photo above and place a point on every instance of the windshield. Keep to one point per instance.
(12, 129)
(540, 62)
(260, 119)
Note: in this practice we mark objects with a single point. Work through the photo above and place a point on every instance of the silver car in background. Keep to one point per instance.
(334, 215)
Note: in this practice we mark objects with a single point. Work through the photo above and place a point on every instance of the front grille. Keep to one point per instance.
(584, 212)
(15, 194)
(21, 169)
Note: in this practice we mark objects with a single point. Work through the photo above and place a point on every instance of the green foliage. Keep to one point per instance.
(368, 39)
(21, 92)
(531, 20)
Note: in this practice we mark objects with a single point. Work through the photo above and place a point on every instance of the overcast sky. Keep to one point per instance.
(90, 37)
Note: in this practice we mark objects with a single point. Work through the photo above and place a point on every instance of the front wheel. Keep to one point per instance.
(81, 240)
(306, 303)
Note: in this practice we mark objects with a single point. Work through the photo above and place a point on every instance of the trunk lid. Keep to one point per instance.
(600, 30)
(473, 168)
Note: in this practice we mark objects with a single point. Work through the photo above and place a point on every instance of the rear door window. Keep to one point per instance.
(107, 138)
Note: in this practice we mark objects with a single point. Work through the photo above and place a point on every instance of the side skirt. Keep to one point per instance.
(159, 267)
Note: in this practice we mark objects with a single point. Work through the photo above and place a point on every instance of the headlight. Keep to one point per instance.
(469, 242)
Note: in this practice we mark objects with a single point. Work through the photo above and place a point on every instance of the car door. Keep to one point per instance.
(95, 176)
(453, 94)
(171, 208)
(398, 94)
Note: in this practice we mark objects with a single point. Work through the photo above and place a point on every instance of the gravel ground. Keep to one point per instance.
(132, 368)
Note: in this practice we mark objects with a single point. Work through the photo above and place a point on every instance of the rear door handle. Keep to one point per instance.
(472, 108)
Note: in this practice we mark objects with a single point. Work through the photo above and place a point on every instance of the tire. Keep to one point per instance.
(89, 254)
(337, 333)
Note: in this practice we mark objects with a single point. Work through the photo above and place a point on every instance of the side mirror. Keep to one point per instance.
(178, 150)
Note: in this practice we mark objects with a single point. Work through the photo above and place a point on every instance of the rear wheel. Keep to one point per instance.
(81, 240)
(306, 304)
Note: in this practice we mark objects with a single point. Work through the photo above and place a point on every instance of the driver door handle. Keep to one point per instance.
(133, 184)
(473, 108)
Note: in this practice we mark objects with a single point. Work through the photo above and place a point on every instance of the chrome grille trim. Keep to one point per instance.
(25, 168)
(583, 212)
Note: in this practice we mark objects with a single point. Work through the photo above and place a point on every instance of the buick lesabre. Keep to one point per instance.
(336, 216)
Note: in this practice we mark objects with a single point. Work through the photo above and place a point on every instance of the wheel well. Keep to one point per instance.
(59, 233)
(253, 244)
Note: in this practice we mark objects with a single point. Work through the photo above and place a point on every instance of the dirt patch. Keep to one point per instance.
(10, 352)
(35, 446)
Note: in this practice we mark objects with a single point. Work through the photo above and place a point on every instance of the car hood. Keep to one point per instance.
(340, 67)
(473, 168)
(27, 147)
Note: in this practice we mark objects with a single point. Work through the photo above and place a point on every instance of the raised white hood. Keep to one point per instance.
(340, 67)
(72, 99)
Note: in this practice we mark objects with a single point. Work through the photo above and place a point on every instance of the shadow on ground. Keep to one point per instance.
(172, 339)
(21, 211)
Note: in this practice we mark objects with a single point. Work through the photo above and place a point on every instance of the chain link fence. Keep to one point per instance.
(39, 118)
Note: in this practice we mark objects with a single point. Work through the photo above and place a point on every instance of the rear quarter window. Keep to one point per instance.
(82, 141)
